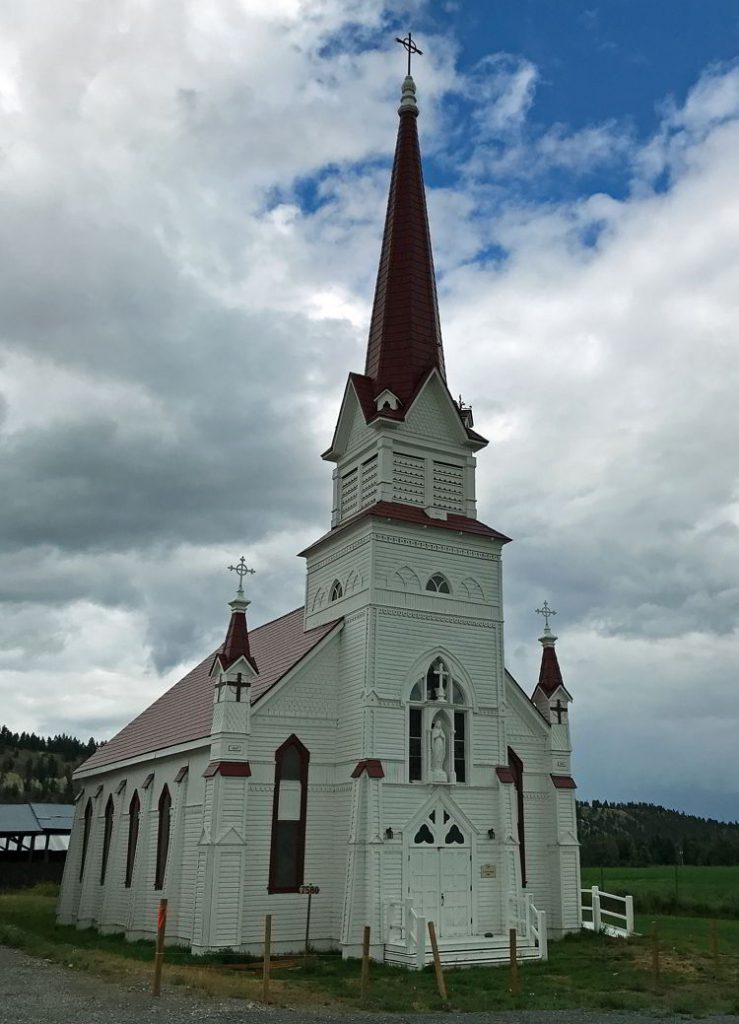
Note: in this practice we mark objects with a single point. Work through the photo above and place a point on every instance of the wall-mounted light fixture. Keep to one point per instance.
(491, 833)
(389, 833)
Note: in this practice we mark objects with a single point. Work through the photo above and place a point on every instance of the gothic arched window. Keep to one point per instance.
(107, 836)
(437, 727)
(287, 850)
(439, 584)
(165, 813)
(516, 765)
(134, 809)
(86, 829)
(337, 591)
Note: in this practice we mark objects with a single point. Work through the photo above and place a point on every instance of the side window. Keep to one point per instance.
(107, 836)
(165, 814)
(86, 829)
(438, 584)
(287, 851)
(516, 765)
(134, 810)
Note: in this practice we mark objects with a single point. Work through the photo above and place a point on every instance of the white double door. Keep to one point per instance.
(440, 874)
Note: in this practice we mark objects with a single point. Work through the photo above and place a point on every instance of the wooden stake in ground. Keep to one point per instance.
(364, 979)
(440, 981)
(513, 957)
(156, 987)
(267, 952)
(655, 953)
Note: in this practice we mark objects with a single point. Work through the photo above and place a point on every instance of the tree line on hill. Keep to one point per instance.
(39, 768)
(638, 834)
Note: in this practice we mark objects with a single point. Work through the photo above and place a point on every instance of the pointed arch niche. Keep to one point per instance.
(438, 720)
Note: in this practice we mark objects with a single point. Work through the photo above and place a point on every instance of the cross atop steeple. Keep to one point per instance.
(411, 47)
(547, 612)
(241, 569)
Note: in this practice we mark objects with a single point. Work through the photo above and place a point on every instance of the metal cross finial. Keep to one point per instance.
(410, 46)
(547, 612)
(241, 570)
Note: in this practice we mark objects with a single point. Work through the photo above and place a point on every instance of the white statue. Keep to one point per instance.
(438, 752)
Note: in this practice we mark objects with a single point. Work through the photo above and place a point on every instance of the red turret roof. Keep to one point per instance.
(550, 675)
(236, 644)
(405, 335)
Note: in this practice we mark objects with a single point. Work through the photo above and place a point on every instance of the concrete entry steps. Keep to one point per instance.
(467, 951)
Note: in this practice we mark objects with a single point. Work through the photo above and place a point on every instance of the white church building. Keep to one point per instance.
(370, 743)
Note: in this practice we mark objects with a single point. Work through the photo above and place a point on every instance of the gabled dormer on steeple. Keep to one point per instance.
(401, 437)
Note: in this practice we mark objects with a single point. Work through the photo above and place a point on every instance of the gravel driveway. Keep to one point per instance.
(36, 991)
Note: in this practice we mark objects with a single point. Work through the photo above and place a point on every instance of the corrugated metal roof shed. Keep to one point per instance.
(35, 819)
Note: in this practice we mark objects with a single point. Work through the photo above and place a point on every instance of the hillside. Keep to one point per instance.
(39, 768)
(638, 834)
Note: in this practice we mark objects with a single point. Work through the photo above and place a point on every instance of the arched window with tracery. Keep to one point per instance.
(287, 849)
(439, 584)
(86, 829)
(437, 727)
(107, 837)
(337, 591)
(134, 810)
(165, 815)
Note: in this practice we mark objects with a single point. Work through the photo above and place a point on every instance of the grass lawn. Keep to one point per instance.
(584, 971)
(706, 891)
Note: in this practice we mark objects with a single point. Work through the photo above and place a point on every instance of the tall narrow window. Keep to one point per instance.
(287, 853)
(516, 765)
(134, 809)
(415, 745)
(165, 810)
(438, 727)
(86, 828)
(107, 836)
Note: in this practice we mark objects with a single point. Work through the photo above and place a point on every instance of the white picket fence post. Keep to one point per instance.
(629, 900)
(595, 897)
(541, 925)
(420, 943)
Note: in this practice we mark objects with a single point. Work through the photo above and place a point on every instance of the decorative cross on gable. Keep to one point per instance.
(559, 709)
(237, 684)
(547, 612)
(411, 47)
(241, 569)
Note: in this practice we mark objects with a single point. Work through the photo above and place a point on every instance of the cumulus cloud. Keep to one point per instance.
(194, 228)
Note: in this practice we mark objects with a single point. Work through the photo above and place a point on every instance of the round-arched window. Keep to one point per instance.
(438, 584)
(337, 591)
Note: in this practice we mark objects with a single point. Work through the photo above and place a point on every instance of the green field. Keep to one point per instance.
(704, 891)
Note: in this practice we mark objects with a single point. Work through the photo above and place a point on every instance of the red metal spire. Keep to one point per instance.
(405, 334)
(236, 644)
(550, 674)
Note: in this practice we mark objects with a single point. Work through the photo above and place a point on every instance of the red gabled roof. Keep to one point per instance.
(185, 712)
(412, 514)
(550, 675)
(405, 334)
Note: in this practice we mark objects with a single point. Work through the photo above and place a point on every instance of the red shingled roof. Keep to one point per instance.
(405, 334)
(550, 675)
(412, 514)
(185, 712)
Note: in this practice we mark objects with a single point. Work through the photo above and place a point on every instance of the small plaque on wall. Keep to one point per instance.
(234, 747)
(487, 871)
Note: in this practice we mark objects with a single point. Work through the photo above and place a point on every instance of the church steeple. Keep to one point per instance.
(550, 690)
(405, 333)
(236, 644)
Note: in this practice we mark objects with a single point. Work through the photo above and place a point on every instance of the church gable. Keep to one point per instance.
(433, 415)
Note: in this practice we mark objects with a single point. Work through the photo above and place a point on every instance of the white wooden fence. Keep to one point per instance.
(606, 912)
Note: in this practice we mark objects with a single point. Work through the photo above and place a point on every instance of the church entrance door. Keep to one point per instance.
(440, 873)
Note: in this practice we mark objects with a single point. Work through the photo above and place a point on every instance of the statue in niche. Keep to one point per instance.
(438, 752)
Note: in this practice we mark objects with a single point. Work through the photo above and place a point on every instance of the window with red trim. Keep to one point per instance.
(516, 765)
(287, 850)
(165, 813)
(107, 836)
(86, 829)
(134, 809)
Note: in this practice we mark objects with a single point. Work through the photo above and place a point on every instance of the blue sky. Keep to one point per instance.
(194, 196)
